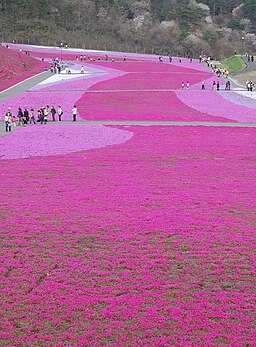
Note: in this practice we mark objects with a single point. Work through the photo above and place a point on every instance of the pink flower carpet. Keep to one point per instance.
(126, 236)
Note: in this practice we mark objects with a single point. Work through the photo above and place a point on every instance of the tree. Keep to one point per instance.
(249, 9)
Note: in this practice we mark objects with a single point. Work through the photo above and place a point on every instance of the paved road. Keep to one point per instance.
(141, 123)
(23, 86)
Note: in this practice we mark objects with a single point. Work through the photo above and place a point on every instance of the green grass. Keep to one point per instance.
(234, 63)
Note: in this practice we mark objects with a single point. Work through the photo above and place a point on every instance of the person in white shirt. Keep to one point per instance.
(60, 113)
(74, 112)
(8, 120)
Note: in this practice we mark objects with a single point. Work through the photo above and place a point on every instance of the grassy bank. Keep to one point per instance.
(234, 63)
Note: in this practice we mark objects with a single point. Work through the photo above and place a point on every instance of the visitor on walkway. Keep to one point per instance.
(53, 112)
(60, 113)
(203, 85)
(188, 85)
(74, 112)
(227, 86)
(25, 116)
(32, 116)
(182, 85)
(8, 120)
(43, 115)
(46, 111)
(82, 70)
(13, 121)
(20, 116)
(218, 85)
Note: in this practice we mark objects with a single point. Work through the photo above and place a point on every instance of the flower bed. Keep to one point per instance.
(214, 104)
(67, 139)
(145, 243)
(16, 67)
(141, 106)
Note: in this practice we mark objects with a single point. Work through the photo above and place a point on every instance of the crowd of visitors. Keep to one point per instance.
(44, 114)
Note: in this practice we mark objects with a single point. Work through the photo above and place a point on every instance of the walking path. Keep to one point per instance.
(140, 123)
(23, 86)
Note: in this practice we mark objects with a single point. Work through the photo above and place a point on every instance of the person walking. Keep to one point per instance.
(43, 115)
(25, 116)
(74, 112)
(60, 113)
(188, 85)
(13, 121)
(32, 116)
(218, 85)
(20, 116)
(182, 85)
(8, 120)
(203, 85)
(46, 111)
(53, 112)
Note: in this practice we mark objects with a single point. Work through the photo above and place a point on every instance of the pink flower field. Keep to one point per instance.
(126, 236)
(145, 243)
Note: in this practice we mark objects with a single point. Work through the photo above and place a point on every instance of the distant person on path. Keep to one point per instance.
(13, 121)
(20, 116)
(74, 112)
(182, 85)
(60, 113)
(227, 86)
(46, 111)
(53, 112)
(32, 116)
(188, 85)
(82, 69)
(203, 85)
(43, 116)
(218, 85)
(8, 120)
(25, 116)
(39, 115)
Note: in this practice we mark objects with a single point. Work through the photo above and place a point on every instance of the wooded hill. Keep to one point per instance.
(185, 27)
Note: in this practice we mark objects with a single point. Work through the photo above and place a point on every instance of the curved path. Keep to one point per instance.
(23, 86)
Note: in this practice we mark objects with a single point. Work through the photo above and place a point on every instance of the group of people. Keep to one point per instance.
(25, 117)
(44, 112)
(215, 85)
(250, 58)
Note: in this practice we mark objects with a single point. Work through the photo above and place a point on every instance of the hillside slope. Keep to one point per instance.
(184, 27)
